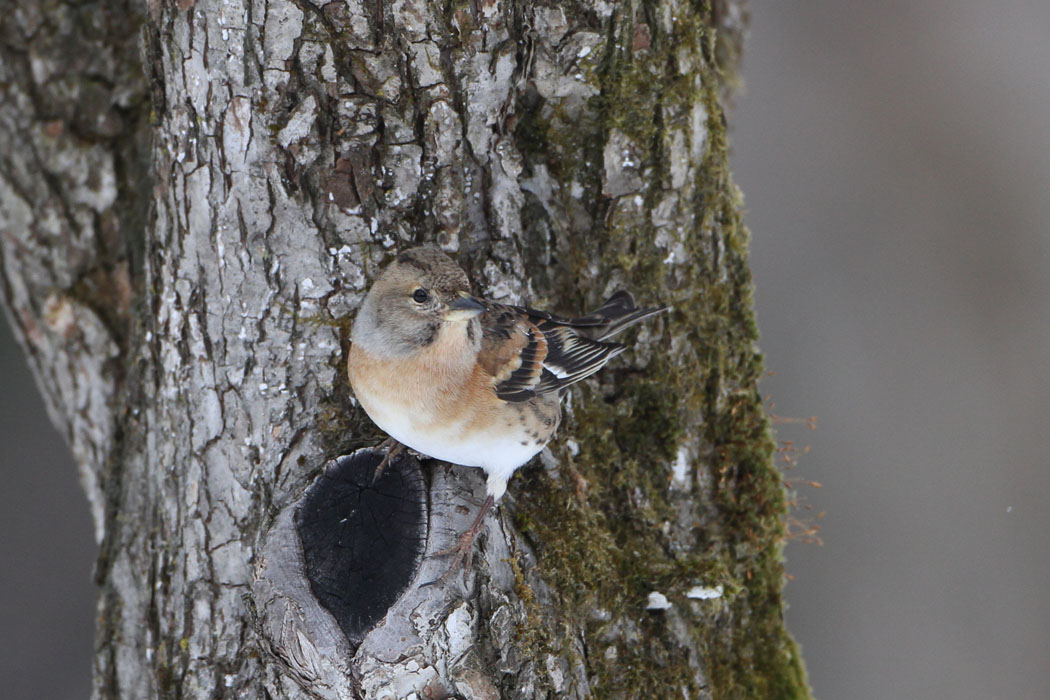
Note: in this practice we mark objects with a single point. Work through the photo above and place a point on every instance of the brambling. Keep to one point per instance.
(469, 381)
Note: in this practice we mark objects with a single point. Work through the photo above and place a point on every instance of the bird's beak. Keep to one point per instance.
(464, 308)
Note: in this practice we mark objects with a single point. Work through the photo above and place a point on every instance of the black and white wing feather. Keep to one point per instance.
(530, 352)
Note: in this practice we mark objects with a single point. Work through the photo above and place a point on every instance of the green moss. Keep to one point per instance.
(599, 529)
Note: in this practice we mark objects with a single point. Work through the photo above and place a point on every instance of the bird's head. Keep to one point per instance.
(418, 296)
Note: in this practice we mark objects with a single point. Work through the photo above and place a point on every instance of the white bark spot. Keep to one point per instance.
(681, 468)
(657, 601)
(705, 592)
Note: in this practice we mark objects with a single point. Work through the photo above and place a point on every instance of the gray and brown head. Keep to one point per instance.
(417, 295)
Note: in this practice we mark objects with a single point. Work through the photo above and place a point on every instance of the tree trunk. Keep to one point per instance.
(193, 203)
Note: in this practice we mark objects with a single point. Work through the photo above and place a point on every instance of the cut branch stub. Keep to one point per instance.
(362, 541)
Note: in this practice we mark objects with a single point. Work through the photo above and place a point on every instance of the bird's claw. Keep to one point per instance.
(464, 551)
(464, 547)
(393, 448)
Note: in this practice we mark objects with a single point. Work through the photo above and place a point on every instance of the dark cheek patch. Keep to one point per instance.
(429, 334)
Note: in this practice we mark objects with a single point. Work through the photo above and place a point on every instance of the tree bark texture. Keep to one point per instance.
(194, 196)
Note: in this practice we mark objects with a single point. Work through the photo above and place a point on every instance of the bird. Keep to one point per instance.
(469, 381)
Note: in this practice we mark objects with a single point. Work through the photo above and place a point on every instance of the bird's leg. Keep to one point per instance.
(393, 448)
(464, 549)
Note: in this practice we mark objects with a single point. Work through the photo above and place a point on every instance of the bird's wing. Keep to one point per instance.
(512, 353)
(531, 353)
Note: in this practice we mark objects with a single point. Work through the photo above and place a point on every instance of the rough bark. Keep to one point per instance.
(194, 357)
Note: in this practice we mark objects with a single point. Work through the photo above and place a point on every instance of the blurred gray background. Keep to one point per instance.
(895, 157)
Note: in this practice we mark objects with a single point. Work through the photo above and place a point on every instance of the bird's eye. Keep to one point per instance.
(420, 296)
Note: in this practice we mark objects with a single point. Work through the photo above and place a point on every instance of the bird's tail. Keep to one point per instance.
(618, 313)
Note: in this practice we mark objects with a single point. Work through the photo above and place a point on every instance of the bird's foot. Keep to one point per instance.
(464, 547)
(393, 448)
(464, 551)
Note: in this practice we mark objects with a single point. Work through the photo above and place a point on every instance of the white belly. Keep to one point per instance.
(499, 454)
